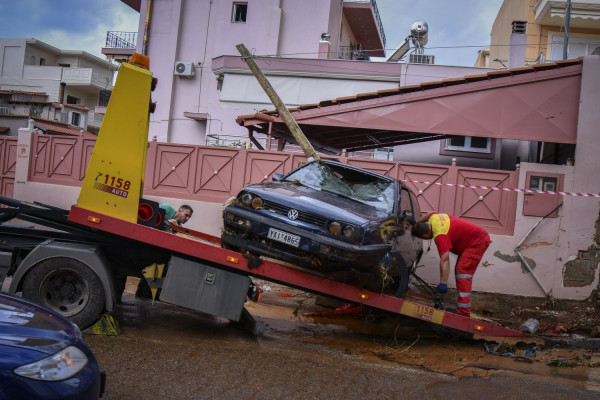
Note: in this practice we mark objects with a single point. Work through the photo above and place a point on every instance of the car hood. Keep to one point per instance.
(26, 326)
(304, 198)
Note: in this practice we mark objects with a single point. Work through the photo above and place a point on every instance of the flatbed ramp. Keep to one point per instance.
(207, 249)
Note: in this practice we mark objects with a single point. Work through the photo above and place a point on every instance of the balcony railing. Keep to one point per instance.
(352, 53)
(121, 40)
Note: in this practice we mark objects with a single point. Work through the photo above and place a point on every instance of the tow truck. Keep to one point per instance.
(76, 261)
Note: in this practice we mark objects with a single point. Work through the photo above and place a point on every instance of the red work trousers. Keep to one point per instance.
(466, 265)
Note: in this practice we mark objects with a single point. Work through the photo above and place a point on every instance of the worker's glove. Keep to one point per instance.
(442, 288)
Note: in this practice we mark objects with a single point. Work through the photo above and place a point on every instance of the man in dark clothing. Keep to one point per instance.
(461, 237)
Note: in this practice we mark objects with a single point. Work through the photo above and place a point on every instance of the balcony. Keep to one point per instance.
(84, 77)
(584, 13)
(120, 45)
(365, 23)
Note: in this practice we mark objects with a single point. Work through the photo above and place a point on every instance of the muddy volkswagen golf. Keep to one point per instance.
(345, 222)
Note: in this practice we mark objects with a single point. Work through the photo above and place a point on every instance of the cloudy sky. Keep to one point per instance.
(67, 24)
(457, 28)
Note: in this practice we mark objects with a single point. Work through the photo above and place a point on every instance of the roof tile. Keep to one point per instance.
(51, 128)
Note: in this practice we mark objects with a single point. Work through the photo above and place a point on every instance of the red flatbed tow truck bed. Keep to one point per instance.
(208, 249)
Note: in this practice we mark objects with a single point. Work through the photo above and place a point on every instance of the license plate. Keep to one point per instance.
(284, 237)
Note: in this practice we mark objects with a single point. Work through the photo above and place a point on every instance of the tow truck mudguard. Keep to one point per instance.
(88, 253)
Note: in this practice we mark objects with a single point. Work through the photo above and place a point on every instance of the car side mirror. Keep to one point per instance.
(408, 216)
(277, 176)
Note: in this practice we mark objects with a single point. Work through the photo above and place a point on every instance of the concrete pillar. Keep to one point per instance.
(587, 163)
(584, 212)
(324, 47)
(23, 156)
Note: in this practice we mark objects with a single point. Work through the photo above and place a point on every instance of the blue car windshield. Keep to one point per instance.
(375, 191)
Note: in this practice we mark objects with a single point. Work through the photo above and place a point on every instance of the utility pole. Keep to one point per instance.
(290, 122)
(567, 24)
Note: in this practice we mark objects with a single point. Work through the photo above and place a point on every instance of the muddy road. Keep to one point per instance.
(167, 352)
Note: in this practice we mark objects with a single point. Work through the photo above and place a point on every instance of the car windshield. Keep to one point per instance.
(357, 185)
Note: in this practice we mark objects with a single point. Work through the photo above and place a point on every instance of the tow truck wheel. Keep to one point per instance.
(67, 286)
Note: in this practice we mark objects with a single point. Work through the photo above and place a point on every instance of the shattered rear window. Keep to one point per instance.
(354, 184)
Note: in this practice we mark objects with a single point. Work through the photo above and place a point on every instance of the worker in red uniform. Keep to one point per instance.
(463, 238)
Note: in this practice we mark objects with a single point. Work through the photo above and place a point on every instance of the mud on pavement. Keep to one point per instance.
(168, 352)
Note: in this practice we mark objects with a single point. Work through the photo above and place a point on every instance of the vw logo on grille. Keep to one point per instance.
(293, 214)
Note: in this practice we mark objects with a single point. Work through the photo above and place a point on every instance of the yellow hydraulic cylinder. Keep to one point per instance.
(114, 181)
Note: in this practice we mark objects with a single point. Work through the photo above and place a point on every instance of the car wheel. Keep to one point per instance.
(68, 287)
(396, 267)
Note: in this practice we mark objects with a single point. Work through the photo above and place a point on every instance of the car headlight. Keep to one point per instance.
(251, 201)
(60, 366)
(246, 199)
(348, 231)
(340, 228)
(257, 203)
(335, 228)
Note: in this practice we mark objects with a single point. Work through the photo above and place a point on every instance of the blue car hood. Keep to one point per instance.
(304, 198)
(26, 326)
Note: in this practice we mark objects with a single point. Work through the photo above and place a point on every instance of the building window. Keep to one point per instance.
(468, 146)
(545, 183)
(542, 204)
(239, 12)
(72, 100)
(579, 46)
(468, 143)
(75, 118)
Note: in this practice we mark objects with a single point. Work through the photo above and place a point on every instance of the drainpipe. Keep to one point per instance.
(518, 251)
(61, 95)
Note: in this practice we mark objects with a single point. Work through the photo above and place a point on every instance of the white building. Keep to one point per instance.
(39, 80)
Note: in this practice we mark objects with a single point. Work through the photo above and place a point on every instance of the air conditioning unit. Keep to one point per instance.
(421, 59)
(185, 69)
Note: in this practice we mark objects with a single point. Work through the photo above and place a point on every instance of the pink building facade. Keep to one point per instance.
(201, 105)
